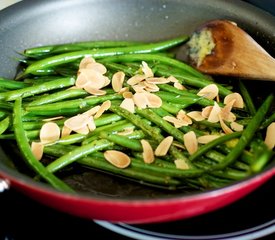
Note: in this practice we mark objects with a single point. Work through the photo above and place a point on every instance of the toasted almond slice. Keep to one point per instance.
(117, 81)
(151, 87)
(196, 115)
(164, 146)
(104, 107)
(210, 91)
(65, 131)
(239, 103)
(107, 81)
(141, 100)
(82, 80)
(206, 111)
(157, 80)
(85, 61)
(146, 70)
(179, 86)
(37, 150)
(139, 88)
(52, 119)
(91, 124)
(128, 104)
(148, 153)
(49, 132)
(77, 122)
(117, 158)
(153, 101)
(207, 138)
(225, 128)
(96, 80)
(135, 79)
(123, 90)
(183, 117)
(236, 126)
(190, 142)
(127, 95)
(177, 123)
(181, 164)
(92, 111)
(270, 136)
(214, 114)
(84, 130)
(98, 67)
(97, 92)
(172, 79)
(226, 113)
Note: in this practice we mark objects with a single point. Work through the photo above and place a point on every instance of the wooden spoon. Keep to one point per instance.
(235, 53)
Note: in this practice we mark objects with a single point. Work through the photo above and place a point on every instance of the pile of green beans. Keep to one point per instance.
(43, 90)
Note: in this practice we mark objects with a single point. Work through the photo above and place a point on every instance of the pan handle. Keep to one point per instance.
(4, 185)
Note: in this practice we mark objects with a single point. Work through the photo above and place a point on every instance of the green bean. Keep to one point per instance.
(247, 134)
(78, 153)
(70, 47)
(247, 98)
(26, 152)
(11, 84)
(59, 96)
(41, 88)
(70, 106)
(100, 53)
(4, 124)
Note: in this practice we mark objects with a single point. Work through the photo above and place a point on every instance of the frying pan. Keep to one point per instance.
(33, 23)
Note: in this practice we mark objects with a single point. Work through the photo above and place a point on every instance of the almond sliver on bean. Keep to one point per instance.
(148, 153)
(135, 79)
(85, 61)
(104, 107)
(77, 122)
(117, 158)
(214, 114)
(225, 128)
(239, 103)
(96, 79)
(37, 150)
(210, 91)
(164, 146)
(65, 131)
(182, 116)
(98, 67)
(126, 131)
(128, 104)
(49, 132)
(236, 126)
(179, 86)
(207, 138)
(196, 115)
(94, 91)
(157, 80)
(270, 136)
(190, 142)
(181, 164)
(140, 99)
(117, 81)
(146, 70)
(153, 101)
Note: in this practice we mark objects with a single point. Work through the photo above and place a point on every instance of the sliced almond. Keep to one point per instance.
(207, 138)
(104, 107)
(127, 95)
(82, 80)
(151, 87)
(153, 101)
(206, 111)
(97, 92)
(52, 119)
(177, 123)
(239, 103)
(126, 131)
(164, 146)
(146, 70)
(270, 136)
(157, 80)
(181, 164)
(117, 158)
(85, 61)
(172, 79)
(140, 99)
(91, 124)
(148, 153)
(117, 81)
(179, 86)
(225, 128)
(190, 142)
(196, 115)
(139, 88)
(65, 131)
(123, 90)
(128, 104)
(84, 130)
(135, 79)
(236, 126)
(98, 67)
(49, 132)
(184, 118)
(96, 79)
(37, 150)
(77, 122)
(226, 113)
(214, 114)
(210, 91)
(92, 111)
